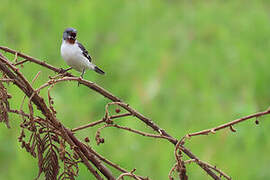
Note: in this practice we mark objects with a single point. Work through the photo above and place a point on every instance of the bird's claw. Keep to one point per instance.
(80, 79)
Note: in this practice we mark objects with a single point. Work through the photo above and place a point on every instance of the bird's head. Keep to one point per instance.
(69, 35)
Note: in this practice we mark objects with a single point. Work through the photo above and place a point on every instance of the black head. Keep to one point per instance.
(70, 34)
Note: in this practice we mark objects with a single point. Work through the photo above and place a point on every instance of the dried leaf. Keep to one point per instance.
(4, 105)
(50, 165)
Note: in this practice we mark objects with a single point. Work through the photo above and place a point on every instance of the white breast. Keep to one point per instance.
(73, 56)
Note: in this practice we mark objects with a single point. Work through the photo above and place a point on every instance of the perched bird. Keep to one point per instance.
(75, 54)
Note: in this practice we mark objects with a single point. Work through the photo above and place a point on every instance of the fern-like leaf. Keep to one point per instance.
(50, 164)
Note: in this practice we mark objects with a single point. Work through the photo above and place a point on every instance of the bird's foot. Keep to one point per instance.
(80, 79)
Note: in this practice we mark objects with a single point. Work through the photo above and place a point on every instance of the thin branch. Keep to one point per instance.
(99, 121)
(82, 156)
(87, 125)
(205, 168)
(210, 166)
(130, 174)
(180, 164)
(21, 62)
(172, 170)
(91, 157)
(134, 131)
(106, 160)
(116, 166)
(230, 124)
(7, 80)
(120, 115)
(15, 111)
(15, 57)
(34, 60)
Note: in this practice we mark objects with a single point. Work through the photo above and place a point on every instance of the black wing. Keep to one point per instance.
(84, 51)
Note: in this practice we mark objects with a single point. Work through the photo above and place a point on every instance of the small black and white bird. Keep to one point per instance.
(75, 54)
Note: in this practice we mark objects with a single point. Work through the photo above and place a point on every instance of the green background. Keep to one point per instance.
(188, 65)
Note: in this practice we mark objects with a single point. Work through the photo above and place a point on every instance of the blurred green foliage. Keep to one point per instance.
(189, 65)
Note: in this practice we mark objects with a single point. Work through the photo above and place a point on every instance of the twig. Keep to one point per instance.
(210, 166)
(172, 170)
(15, 111)
(107, 108)
(34, 60)
(134, 131)
(99, 121)
(87, 125)
(111, 163)
(230, 124)
(21, 62)
(120, 115)
(106, 160)
(7, 80)
(180, 164)
(29, 104)
(205, 168)
(82, 156)
(130, 174)
(91, 157)
(15, 57)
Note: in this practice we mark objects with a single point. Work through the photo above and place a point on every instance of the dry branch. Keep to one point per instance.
(48, 137)
(108, 95)
(99, 121)
(230, 124)
(25, 86)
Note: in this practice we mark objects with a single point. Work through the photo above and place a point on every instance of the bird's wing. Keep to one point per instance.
(84, 51)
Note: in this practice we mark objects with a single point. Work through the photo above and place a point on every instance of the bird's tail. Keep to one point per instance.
(98, 70)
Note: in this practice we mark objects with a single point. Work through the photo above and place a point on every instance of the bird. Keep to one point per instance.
(75, 54)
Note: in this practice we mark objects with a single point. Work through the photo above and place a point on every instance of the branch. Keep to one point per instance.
(22, 83)
(134, 131)
(130, 174)
(210, 166)
(171, 171)
(99, 121)
(94, 87)
(34, 60)
(180, 164)
(230, 124)
(26, 87)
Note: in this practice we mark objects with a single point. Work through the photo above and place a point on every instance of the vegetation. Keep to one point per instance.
(187, 65)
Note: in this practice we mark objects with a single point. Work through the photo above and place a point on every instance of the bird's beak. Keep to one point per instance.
(71, 37)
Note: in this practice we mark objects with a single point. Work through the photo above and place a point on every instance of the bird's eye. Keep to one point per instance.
(73, 34)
